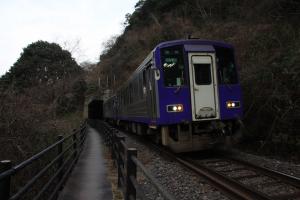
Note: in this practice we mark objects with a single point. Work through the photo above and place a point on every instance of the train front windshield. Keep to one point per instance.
(226, 66)
(173, 66)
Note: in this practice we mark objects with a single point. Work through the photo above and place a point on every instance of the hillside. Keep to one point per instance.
(41, 96)
(265, 34)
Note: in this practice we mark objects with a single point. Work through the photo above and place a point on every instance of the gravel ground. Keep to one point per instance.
(281, 166)
(186, 185)
(177, 180)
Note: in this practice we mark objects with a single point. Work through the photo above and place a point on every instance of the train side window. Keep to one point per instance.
(149, 79)
(140, 85)
(124, 97)
(144, 83)
(227, 73)
(135, 92)
(127, 96)
(130, 94)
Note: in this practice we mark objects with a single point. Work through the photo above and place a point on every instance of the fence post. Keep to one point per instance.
(83, 132)
(110, 136)
(130, 172)
(61, 159)
(121, 163)
(107, 136)
(5, 183)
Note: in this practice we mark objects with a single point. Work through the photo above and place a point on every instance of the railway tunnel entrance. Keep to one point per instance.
(95, 109)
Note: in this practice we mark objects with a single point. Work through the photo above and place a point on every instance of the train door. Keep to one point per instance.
(151, 98)
(203, 84)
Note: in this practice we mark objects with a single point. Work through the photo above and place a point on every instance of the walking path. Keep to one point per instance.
(88, 181)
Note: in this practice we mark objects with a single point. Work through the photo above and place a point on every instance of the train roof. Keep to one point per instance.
(194, 42)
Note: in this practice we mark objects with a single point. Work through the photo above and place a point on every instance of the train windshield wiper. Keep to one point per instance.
(228, 86)
(177, 89)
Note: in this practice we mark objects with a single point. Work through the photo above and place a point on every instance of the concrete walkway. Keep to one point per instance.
(88, 181)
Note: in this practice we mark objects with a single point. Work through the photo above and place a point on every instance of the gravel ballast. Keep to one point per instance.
(184, 184)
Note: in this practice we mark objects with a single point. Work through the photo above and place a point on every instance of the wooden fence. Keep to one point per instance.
(127, 163)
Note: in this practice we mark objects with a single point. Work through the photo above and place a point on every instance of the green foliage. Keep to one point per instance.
(41, 62)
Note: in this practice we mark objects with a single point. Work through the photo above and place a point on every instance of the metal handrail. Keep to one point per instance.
(77, 145)
(30, 160)
(38, 175)
(48, 184)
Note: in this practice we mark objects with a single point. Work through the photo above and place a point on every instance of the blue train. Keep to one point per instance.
(186, 93)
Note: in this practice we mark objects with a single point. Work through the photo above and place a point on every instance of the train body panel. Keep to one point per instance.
(230, 93)
(184, 88)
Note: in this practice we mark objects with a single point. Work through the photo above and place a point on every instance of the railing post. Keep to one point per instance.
(5, 183)
(75, 143)
(113, 138)
(120, 161)
(61, 159)
(107, 138)
(82, 133)
(110, 136)
(130, 172)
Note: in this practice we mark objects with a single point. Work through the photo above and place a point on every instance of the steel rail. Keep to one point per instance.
(291, 180)
(227, 185)
(230, 187)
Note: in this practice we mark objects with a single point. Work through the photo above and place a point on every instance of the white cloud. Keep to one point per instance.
(90, 21)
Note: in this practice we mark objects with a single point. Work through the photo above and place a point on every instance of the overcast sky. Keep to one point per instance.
(87, 23)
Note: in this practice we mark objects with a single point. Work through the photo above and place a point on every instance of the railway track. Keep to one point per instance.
(242, 180)
(237, 179)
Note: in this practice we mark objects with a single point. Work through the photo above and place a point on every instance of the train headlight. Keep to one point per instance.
(175, 108)
(232, 104)
(179, 108)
